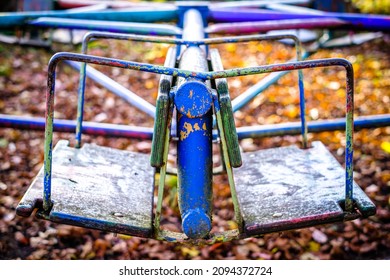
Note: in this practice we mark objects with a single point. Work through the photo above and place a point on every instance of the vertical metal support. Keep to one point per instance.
(229, 169)
(302, 99)
(48, 148)
(163, 170)
(195, 174)
(162, 119)
(193, 100)
(349, 139)
(80, 98)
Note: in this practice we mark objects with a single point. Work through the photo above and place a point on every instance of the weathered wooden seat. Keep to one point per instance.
(97, 187)
(288, 188)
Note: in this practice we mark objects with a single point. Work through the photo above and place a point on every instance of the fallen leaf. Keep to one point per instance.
(319, 236)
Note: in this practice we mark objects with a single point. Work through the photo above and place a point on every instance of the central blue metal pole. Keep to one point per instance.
(193, 101)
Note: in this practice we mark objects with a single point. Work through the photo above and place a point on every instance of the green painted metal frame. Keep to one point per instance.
(174, 72)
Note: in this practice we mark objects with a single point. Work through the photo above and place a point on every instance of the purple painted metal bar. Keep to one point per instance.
(356, 21)
(264, 26)
(113, 26)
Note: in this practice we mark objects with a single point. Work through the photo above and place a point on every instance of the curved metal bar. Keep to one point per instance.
(200, 76)
(241, 100)
(237, 39)
(166, 40)
(203, 76)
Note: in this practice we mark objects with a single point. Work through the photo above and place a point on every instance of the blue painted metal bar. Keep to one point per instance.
(146, 133)
(90, 128)
(302, 100)
(80, 98)
(113, 26)
(293, 128)
(193, 102)
(356, 21)
(9, 20)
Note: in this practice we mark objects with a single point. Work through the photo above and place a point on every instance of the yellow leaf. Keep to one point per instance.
(232, 225)
(191, 252)
(125, 237)
(149, 84)
(231, 47)
(314, 246)
(386, 147)
(291, 111)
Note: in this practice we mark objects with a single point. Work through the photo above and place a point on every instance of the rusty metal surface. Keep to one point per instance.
(287, 188)
(97, 187)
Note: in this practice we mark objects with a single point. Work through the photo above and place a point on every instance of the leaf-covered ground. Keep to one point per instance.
(22, 92)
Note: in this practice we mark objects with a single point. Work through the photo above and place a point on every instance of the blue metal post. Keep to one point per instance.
(193, 101)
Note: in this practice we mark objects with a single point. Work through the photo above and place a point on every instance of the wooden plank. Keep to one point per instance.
(97, 187)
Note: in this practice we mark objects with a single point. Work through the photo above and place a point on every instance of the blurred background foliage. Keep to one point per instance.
(373, 6)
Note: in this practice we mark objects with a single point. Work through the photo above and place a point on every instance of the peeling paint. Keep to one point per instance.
(188, 130)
